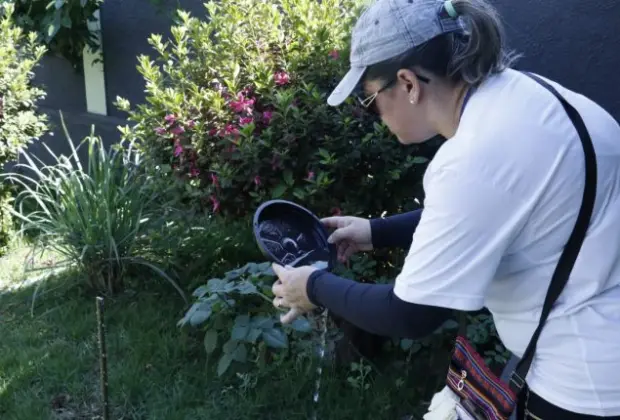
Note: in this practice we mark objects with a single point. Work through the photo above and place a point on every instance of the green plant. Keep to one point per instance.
(62, 25)
(359, 376)
(91, 213)
(236, 109)
(20, 122)
(239, 318)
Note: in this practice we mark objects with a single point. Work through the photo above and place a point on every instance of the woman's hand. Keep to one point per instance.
(352, 235)
(290, 291)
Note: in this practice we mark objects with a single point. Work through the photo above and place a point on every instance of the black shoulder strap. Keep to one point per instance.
(573, 246)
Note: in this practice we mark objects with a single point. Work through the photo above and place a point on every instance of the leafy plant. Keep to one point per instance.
(238, 315)
(236, 109)
(62, 25)
(20, 121)
(91, 213)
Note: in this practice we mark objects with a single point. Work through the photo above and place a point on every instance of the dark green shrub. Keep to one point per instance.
(62, 25)
(20, 122)
(236, 109)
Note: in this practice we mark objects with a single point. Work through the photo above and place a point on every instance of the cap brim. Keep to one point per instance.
(346, 86)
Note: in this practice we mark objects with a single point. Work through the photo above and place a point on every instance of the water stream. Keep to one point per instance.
(291, 248)
(322, 326)
(321, 350)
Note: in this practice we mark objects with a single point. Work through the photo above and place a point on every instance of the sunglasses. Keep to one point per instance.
(369, 103)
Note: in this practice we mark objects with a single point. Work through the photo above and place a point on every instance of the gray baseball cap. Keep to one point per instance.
(387, 29)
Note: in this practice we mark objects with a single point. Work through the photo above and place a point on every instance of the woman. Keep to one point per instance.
(502, 197)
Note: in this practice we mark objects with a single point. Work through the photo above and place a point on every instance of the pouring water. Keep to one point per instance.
(321, 349)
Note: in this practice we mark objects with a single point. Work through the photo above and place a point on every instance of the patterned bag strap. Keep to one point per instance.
(573, 246)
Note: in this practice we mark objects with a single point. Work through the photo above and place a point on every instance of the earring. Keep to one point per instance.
(411, 101)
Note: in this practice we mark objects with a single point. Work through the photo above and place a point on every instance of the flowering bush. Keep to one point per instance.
(236, 111)
(20, 123)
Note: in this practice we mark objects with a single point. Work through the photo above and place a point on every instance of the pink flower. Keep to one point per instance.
(334, 54)
(178, 149)
(177, 130)
(194, 172)
(214, 180)
(245, 121)
(231, 130)
(160, 131)
(242, 104)
(215, 202)
(170, 118)
(257, 181)
(190, 124)
(267, 116)
(310, 176)
(213, 132)
(281, 78)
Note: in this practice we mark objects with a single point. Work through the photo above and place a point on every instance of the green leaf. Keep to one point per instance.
(66, 21)
(418, 160)
(288, 178)
(239, 331)
(406, 344)
(220, 286)
(200, 292)
(224, 363)
(241, 353)
(201, 314)
(210, 341)
(301, 324)
(253, 335)
(230, 346)
(278, 191)
(262, 322)
(275, 338)
(52, 30)
(246, 288)
(450, 324)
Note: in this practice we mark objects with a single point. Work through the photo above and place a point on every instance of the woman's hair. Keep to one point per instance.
(470, 55)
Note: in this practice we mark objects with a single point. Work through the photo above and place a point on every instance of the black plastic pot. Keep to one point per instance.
(303, 239)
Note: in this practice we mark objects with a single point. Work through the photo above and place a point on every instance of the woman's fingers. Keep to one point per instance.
(290, 316)
(278, 288)
(342, 251)
(349, 251)
(339, 235)
(334, 222)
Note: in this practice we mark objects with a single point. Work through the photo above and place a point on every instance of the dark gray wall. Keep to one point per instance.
(127, 25)
(575, 42)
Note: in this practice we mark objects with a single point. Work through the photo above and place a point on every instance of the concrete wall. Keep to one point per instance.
(572, 41)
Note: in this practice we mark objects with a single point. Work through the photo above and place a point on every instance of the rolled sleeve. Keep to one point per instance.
(466, 228)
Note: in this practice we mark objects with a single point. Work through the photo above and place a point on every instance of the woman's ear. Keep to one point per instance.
(409, 80)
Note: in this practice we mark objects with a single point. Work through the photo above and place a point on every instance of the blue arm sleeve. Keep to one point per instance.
(374, 307)
(394, 231)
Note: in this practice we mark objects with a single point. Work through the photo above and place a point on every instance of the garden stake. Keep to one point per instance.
(103, 358)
